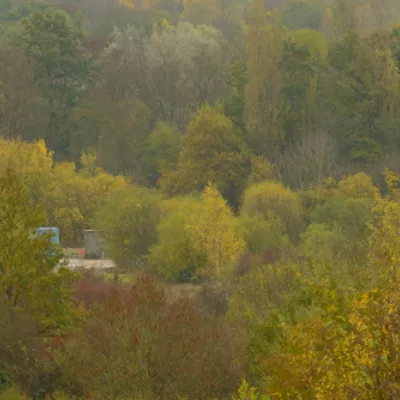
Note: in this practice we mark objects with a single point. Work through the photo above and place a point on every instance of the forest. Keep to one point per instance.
(241, 159)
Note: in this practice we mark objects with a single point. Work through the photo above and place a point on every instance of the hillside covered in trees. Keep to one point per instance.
(242, 160)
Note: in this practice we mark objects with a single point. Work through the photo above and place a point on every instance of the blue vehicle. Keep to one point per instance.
(55, 237)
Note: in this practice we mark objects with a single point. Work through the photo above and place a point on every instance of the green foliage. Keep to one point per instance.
(299, 88)
(27, 280)
(264, 101)
(163, 148)
(234, 106)
(124, 93)
(299, 14)
(53, 45)
(324, 244)
(315, 42)
(271, 198)
(364, 107)
(212, 151)
(175, 255)
(15, 14)
(5, 5)
(128, 221)
(261, 170)
(264, 233)
(122, 145)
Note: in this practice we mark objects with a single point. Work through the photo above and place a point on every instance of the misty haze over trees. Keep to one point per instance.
(241, 159)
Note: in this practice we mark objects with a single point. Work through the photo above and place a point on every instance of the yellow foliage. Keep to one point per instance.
(358, 186)
(212, 229)
(138, 4)
(72, 199)
(261, 170)
(69, 197)
(392, 180)
(32, 161)
(245, 392)
(337, 357)
(352, 350)
(314, 196)
(12, 394)
(89, 163)
(384, 242)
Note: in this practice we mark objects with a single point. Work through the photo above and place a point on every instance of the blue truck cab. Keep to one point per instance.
(55, 237)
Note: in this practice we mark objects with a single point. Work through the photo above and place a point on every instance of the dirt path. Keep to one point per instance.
(74, 263)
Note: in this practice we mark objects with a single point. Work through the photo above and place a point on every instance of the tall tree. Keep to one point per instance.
(264, 95)
(362, 89)
(23, 109)
(341, 17)
(300, 72)
(53, 45)
(212, 151)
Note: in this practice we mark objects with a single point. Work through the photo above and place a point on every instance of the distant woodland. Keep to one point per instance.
(242, 160)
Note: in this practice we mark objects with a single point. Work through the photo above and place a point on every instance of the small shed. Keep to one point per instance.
(95, 245)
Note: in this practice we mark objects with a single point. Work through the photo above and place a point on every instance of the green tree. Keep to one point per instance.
(53, 45)
(27, 278)
(267, 199)
(264, 100)
(365, 109)
(23, 109)
(162, 151)
(128, 220)
(299, 14)
(122, 139)
(264, 234)
(234, 104)
(5, 5)
(175, 255)
(300, 82)
(212, 151)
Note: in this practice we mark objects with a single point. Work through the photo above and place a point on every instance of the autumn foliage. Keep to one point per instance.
(151, 346)
(241, 160)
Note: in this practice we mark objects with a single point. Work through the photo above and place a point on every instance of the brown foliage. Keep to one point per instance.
(24, 358)
(147, 345)
(94, 290)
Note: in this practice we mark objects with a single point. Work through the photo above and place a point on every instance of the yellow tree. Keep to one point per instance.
(72, 198)
(31, 160)
(263, 92)
(138, 4)
(358, 186)
(212, 231)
